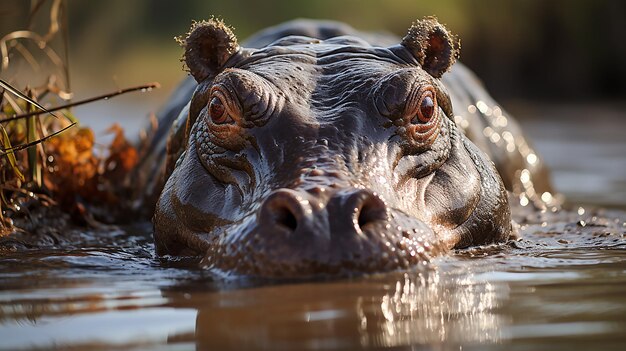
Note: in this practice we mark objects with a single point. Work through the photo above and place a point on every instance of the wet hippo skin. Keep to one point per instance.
(318, 150)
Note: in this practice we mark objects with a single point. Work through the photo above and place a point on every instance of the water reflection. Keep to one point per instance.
(431, 310)
(420, 308)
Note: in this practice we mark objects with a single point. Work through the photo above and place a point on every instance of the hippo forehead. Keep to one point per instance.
(335, 70)
(316, 49)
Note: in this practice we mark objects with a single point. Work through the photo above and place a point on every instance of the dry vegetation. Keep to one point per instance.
(46, 159)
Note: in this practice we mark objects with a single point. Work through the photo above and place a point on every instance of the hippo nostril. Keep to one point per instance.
(283, 208)
(372, 210)
(285, 217)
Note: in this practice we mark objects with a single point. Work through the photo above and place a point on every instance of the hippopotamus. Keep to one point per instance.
(317, 150)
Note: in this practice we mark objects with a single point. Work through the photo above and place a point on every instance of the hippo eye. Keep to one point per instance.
(426, 107)
(423, 127)
(217, 111)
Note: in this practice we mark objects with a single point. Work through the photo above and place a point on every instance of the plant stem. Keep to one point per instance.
(144, 87)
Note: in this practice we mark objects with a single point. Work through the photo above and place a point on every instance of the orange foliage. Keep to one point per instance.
(76, 176)
(122, 155)
(71, 161)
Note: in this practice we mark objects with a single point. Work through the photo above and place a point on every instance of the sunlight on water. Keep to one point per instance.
(432, 311)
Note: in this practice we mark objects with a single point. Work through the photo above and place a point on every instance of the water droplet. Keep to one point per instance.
(581, 211)
(525, 176)
(531, 159)
(506, 135)
(495, 137)
(502, 121)
(482, 106)
(546, 197)
(488, 131)
(497, 111)
(523, 200)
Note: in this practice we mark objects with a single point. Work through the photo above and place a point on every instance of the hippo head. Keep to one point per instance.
(311, 157)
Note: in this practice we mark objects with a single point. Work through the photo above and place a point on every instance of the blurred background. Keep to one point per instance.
(533, 49)
(551, 63)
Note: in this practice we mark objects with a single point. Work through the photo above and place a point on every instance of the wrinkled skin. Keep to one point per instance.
(327, 156)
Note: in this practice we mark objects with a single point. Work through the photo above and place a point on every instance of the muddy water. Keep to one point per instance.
(562, 286)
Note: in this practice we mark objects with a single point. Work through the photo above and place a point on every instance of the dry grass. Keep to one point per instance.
(45, 158)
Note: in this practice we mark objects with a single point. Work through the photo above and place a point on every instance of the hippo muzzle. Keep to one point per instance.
(310, 157)
(306, 233)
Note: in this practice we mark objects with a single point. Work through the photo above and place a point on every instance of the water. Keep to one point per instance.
(562, 286)
(585, 146)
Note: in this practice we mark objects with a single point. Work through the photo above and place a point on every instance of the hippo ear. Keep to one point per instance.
(434, 47)
(208, 45)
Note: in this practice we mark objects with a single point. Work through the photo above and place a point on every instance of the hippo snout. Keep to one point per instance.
(316, 213)
(324, 231)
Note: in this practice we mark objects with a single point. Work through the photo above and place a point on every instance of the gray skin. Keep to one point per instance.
(323, 153)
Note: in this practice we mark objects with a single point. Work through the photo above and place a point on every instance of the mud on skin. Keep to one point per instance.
(318, 150)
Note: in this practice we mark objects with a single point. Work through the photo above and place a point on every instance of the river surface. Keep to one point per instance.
(562, 286)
